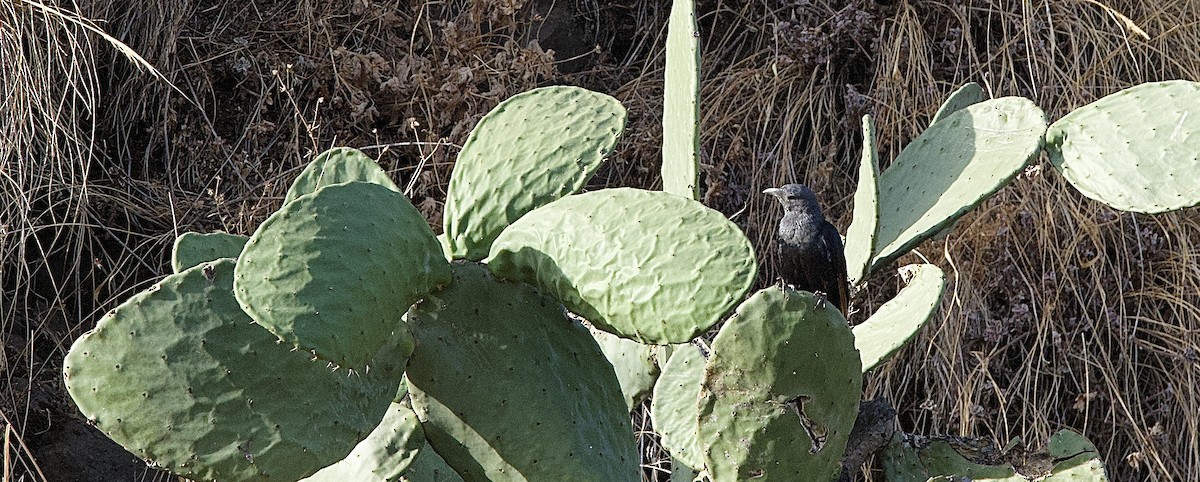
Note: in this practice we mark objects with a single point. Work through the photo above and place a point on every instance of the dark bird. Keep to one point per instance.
(810, 249)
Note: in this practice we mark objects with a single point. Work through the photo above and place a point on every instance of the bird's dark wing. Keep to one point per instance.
(838, 277)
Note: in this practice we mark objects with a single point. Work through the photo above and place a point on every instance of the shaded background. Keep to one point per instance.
(1059, 312)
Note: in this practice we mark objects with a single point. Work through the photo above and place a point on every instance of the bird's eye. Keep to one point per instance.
(791, 197)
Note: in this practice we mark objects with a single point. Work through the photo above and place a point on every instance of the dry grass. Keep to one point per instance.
(1061, 313)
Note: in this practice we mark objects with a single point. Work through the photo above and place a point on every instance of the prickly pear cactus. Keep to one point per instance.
(633, 362)
(533, 148)
(673, 408)
(384, 455)
(1135, 150)
(334, 271)
(898, 320)
(192, 249)
(861, 235)
(508, 388)
(646, 265)
(181, 377)
(681, 102)
(967, 95)
(780, 391)
(336, 166)
(951, 167)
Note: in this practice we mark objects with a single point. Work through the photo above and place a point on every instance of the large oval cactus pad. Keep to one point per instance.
(384, 455)
(646, 265)
(192, 249)
(951, 167)
(334, 271)
(508, 388)
(533, 148)
(181, 377)
(336, 166)
(673, 408)
(898, 320)
(1135, 150)
(780, 391)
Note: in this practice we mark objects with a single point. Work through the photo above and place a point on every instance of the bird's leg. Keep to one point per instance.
(821, 298)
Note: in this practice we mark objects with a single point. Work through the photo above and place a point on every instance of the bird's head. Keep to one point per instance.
(796, 198)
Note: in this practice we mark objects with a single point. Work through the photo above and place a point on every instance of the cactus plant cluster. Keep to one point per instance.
(283, 355)
(317, 314)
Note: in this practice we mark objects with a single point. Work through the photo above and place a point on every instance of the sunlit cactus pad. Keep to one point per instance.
(334, 271)
(1135, 150)
(181, 377)
(780, 392)
(951, 167)
(646, 265)
(533, 148)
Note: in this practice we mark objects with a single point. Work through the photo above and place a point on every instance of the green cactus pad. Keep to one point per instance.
(429, 467)
(334, 271)
(967, 95)
(898, 320)
(910, 458)
(681, 102)
(645, 265)
(633, 362)
(181, 377)
(1135, 150)
(673, 407)
(1079, 459)
(952, 167)
(192, 249)
(533, 148)
(508, 388)
(384, 455)
(781, 390)
(860, 236)
(336, 166)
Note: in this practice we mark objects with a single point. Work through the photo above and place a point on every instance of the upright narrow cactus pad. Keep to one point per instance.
(633, 362)
(192, 249)
(952, 167)
(509, 389)
(335, 270)
(681, 102)
(967, 95)
(673, 408)
(336, 166)
(780, 391)
(898, 320)
(531, 149)
(384, 455)
(1135, 150)
(861, 235)
(181, 377)
(646, 265)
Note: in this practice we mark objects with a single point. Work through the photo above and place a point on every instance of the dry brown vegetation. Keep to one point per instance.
(1060, 312)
